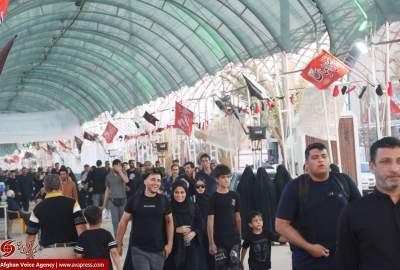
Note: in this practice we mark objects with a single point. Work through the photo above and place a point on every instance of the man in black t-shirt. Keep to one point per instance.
(309, 210)
(59, 220)
(152, 226)
(13, 184)
(26, 184)
(97, 183)
(97, 243)
(207, 174)
(131, 173)
(224, 223)
(190, 176)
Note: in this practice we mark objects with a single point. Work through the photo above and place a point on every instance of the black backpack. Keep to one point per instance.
(304, 185)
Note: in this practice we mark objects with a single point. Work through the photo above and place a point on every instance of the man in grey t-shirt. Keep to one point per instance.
(115, 193)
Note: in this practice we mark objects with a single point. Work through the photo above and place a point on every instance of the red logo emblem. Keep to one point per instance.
(7, 248)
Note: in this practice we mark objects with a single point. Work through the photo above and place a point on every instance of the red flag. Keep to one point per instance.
(351, 88)
(394, 108)
(390, 90)
(335, 91)
(257, 108)
(16, 158)
(63, 145)
(183, 119)
(324, 69)
(3, 9)
(4, 53)
(110, 132)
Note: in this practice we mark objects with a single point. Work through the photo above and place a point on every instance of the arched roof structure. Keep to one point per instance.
(92, 56)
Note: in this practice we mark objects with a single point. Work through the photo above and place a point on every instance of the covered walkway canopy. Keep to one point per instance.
(112, 55)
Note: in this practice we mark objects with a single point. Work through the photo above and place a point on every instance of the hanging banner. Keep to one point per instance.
(88, 136)
(149, 118)
(394, 108)
(79, 143)
(255, 89)
(110, 132)
(3, 10)
(324, 69)
(183, 119)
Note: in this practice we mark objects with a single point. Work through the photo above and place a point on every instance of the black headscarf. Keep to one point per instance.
(245, 189)
(282, 177)
(265, 193)
(182, 211)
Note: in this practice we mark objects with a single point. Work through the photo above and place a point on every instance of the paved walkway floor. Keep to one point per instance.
(281, 259)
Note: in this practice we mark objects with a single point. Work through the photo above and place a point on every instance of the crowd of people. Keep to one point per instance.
(191, 219)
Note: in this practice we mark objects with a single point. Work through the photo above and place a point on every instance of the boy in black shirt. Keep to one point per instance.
(224, 224)
(259, 242)
(97, 243)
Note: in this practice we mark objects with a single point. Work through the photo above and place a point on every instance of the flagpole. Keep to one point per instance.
(377, 116)
(339, 156)
(252, 123)
(327, 125)
(387, 79)
(285, 82)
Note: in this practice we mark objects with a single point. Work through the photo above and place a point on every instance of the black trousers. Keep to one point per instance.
(228, 257)
(25, 203)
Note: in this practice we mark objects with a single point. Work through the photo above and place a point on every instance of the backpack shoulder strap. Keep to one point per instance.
(304, 185)
(342, 182)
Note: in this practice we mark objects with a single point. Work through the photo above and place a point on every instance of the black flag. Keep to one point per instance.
(150, 118)
(255, 90)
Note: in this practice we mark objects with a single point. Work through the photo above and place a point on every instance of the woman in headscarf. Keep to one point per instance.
(187, 223)
(282, 177)
(206, 261)
(266, 198)
(247, 191)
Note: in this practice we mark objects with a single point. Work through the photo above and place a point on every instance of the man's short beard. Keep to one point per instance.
(388, 187)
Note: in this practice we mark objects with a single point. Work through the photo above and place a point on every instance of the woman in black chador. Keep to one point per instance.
(282, 177)
(187, 223)
(266, 198)
(248, 201)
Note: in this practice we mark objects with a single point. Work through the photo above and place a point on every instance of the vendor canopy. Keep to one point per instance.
(113, 55)
(38, 127)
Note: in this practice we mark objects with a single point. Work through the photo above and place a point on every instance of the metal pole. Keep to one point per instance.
(387, 79)
(339, 156)
(327, 125)
(377, 117)
(285, 82)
